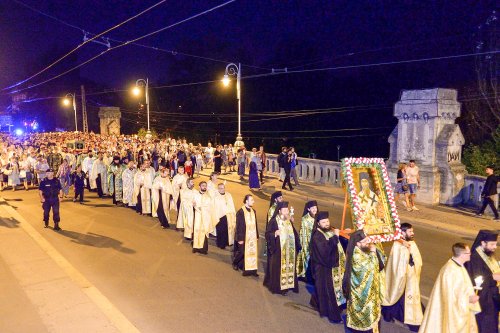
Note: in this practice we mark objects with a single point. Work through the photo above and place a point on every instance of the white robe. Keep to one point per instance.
(204, 218)
(185, 216)
(224, 206)
(87, 164)
(143, 183)
(128, 186)
(161, 184)
(178, 184)
(99, 168)
(449, 310)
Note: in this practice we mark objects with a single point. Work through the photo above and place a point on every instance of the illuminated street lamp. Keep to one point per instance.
(235, 70)
(136, 91)
(67, 102)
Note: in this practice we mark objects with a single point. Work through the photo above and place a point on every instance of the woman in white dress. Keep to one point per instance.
(24, 168)
(13, 173)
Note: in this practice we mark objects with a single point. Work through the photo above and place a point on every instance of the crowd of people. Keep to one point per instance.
(355, 282)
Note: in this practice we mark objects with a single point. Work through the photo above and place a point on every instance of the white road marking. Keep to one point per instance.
(102, 302)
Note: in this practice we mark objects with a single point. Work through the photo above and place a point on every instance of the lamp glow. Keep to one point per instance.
(136, 91)
(66, 102)
(226, 80)
(18, 132)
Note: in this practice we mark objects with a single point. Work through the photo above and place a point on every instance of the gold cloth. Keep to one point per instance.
(449, 310)
(287, 244)
(251, 257)
(364, 305)
(401, 278)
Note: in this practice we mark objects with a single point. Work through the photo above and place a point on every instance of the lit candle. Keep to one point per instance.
(478, 281)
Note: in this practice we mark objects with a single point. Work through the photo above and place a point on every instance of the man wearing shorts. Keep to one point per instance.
(413, 181)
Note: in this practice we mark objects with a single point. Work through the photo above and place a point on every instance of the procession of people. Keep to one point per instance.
(355, 282)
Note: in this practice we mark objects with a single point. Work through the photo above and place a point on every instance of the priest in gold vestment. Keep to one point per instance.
(204, 219)
(402, 282)
(453, 303)
(246, 254)
(283, 244)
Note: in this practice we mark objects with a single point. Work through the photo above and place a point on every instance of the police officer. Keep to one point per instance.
(50, 192)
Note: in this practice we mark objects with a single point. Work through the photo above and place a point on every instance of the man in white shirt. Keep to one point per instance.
(413, 180)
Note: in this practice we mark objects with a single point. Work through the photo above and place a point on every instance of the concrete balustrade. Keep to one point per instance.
(309, 170)
(471, 192)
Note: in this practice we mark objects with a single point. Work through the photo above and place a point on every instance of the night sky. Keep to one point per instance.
(261, 35)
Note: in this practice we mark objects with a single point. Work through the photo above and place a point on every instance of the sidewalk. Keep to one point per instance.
(457, 220)
(42, 292)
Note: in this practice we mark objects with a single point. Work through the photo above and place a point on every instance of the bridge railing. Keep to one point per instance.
(471, 193)
(309, 170)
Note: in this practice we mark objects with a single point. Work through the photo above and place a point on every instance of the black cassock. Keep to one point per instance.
(273, 272)
(240, 235)
(222, 233)
(487, 319)
(324, 257)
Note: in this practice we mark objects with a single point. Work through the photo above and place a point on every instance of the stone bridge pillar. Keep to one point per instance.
(110, 120)
(427, 133)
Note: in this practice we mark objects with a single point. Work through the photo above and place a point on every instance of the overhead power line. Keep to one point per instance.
(172, 52)
(127, 43)
(85, 42)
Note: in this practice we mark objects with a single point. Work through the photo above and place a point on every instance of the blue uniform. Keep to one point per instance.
(50, 191)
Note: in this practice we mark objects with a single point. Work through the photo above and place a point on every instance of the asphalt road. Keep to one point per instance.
(152, 277)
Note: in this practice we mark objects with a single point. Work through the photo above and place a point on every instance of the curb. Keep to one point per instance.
(112, 313)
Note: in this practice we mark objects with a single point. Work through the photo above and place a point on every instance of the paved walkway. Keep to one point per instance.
(457, 220)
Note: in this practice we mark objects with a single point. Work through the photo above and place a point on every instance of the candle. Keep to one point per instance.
(478, 281)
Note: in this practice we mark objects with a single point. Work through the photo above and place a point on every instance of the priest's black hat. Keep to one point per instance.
(283, 204)
(322, 216)
(308, 205)
(484, 236)
(275, 196)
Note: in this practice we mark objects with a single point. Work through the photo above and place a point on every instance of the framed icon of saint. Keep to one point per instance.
(371, 198)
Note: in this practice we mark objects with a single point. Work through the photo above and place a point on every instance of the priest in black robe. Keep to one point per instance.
(483, 263)
(327, 265)
(246, 239)
(283, 246)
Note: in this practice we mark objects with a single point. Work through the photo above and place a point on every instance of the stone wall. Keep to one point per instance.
(109, 120)
(309, 170)
(427, 133)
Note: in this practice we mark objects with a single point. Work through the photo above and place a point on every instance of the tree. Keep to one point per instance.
(477, 157)
(142, 133)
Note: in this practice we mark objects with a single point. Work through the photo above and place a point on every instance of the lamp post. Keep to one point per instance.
(338, 153)
(67, 102)
(235, 70)
(136, 91)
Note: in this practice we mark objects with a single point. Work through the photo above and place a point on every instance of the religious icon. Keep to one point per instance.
(370, 198)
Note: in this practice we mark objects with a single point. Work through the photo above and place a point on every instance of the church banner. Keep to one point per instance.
(371, 198)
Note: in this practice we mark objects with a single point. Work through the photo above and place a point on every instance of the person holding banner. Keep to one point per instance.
(402, 282)
(362, 284)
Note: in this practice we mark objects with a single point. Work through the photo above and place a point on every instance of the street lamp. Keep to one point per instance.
(235, 70)
(338, 153)
(137, 91)
(67, 102)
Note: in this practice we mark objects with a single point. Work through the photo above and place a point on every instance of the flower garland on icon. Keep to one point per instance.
(376, 166)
